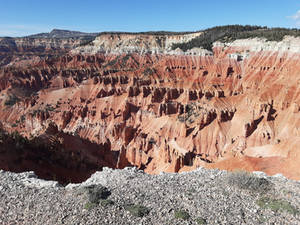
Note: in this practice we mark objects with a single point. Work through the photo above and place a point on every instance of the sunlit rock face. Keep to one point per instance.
(159, 109)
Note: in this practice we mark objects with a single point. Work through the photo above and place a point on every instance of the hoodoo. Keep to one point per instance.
(163, 101)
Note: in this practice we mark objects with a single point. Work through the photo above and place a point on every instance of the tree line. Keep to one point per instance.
(231, 33)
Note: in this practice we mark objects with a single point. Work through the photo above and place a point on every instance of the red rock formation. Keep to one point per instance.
(55, 155)
(167, 112)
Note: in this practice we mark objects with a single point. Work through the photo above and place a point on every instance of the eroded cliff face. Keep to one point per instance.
(121, 43)
(236, 109)
(29, 50)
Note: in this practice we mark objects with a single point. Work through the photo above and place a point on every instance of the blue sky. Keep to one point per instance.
(23, 17)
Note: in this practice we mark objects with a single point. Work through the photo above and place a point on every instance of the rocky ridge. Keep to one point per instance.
(122, 43)
(198, 197)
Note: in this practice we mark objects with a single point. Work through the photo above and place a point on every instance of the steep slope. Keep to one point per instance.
(55, 155)
(236, 107)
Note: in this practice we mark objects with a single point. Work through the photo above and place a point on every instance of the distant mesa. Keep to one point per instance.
(58, 33)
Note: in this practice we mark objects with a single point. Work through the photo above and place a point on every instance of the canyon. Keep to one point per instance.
(126, 99)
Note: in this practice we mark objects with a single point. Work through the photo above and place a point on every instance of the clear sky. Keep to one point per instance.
(23, 17)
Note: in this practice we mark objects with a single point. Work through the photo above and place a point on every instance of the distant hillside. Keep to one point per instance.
(57, 33)
(233, 32)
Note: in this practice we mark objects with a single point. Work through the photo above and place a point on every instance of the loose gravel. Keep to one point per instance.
(205, 195)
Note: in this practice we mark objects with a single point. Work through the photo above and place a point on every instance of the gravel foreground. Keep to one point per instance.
(133, 197)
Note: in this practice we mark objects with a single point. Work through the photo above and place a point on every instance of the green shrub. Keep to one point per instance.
(137, 210)
(12, 99)
(112, 62)
(96, 193)
(106, 202)
(200, 220)
(22, 118)
(181, 214)
(149, 71)
(88, 41)
(35, 112)
(19, 141)
(249, 181)
(49, 108)
(276, 205)
(89, 205)
(191, 113)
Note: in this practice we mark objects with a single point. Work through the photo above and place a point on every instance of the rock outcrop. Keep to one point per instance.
(120, 43)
